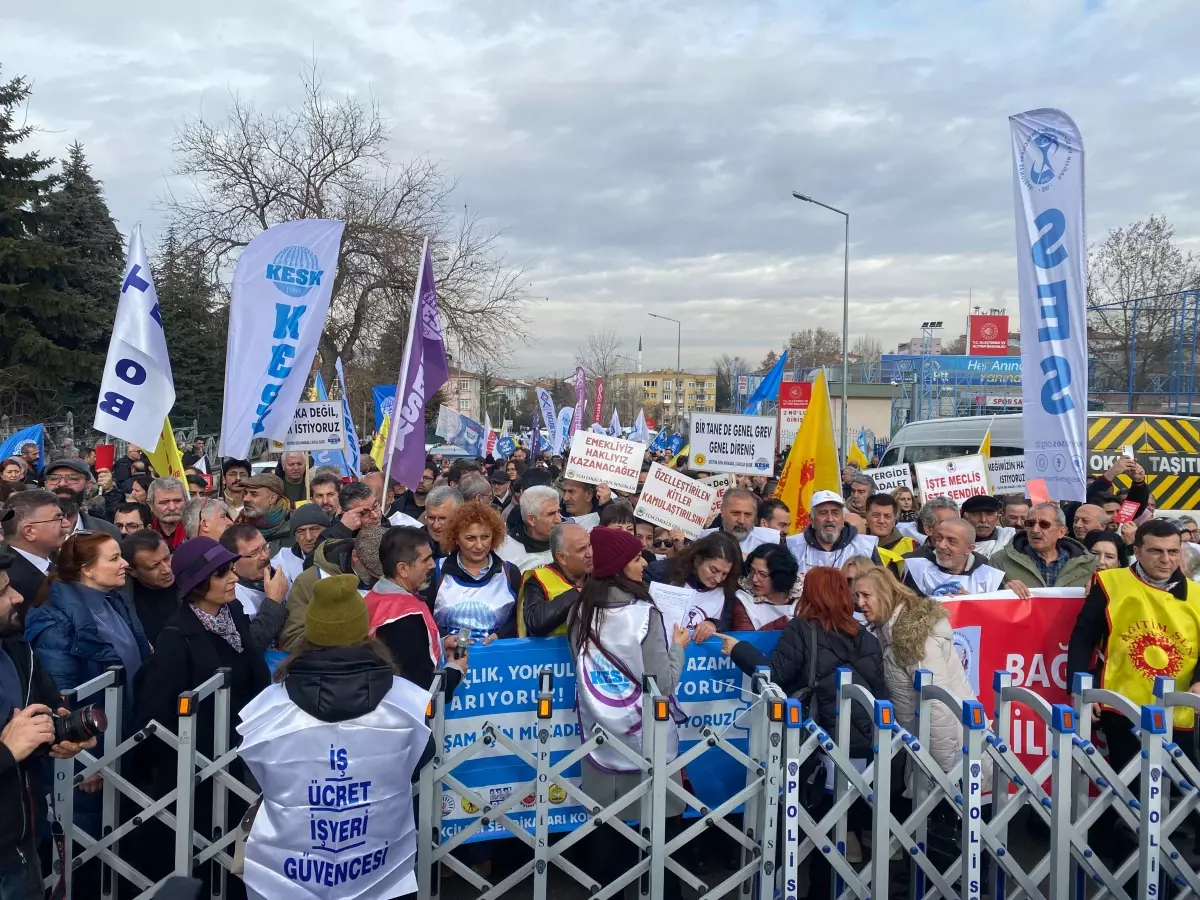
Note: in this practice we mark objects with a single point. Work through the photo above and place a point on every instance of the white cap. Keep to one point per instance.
(820, 497)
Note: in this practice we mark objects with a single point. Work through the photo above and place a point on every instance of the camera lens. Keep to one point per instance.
(81, 725)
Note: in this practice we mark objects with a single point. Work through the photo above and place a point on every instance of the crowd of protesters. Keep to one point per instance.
(175, 580)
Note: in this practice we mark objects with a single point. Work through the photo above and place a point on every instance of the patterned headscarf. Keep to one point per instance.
(221, 624)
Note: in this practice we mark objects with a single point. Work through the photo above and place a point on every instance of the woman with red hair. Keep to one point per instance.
(473, 588)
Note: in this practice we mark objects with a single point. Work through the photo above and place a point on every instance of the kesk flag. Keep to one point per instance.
(546, 405)
(768, 388)
(560, 436)
(1048, 188)
(165, 457)
(614, 425)
(34, 434)
(281, 291)
(353, 448)
(641, 431)
(137, 389)
(812, 464)
(424, 370)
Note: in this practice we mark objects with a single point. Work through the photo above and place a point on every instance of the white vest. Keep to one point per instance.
(482, 608)
(1000, 539)
(758, 535)
(250, 599)
(704, 605)
(587, 522)
(761, 613)
(808, 555)
(933, 582)
(403, 520)
(291, 564)
(607, 696)
(514, 551)
(336, 819)
(909, 529)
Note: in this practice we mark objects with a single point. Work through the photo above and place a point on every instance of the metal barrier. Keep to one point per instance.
(1074, 794)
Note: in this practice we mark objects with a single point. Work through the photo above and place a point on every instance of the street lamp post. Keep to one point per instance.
(845, 316)
(678, 364)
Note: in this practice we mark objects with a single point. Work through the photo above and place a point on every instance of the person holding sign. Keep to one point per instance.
(617, 638)
(770, 590)
(710, 568)
(340, 813)
(955, 569)
(829, 540)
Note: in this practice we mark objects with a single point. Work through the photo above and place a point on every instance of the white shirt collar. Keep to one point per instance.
(78, 523)
(43, 565)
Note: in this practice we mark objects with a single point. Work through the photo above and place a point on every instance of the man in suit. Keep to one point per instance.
(34, 531)
(71, 482)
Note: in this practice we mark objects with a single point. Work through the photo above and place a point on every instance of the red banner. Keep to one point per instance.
(999, 632)
(794, 397)
(599, 399)
(987, 336)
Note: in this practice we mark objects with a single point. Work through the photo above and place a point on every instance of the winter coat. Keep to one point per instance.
(789, 670)
(329, 558)
(22, 795)
(919, 636)
(1015, 562)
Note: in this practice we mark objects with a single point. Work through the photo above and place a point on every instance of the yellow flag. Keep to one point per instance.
(165, 458)
(856, 457)
(985, 446)
(379, 445)
(812, 464)
(685, 450)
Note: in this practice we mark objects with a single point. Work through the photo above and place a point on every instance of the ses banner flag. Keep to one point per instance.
(600, 459)
(580, 398)
(137, 389)
(987, 335)
(599, 401)
(1048, 189)
(958, 478)
(673, 500)
(277, 309)
(812, 463)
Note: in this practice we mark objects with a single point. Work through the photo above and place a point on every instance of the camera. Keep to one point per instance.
(81, 725)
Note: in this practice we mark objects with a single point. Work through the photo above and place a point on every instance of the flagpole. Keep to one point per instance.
(402, 394)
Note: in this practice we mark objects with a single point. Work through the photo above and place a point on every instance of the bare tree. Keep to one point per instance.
(768, 361)
(867, 351)
(815, 347)
(600, 359)
(328, 158)
(728, 369)
(1134, 280)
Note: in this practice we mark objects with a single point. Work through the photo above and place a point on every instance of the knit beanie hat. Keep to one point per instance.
(308, 514)
(337, 615)
(612, 550)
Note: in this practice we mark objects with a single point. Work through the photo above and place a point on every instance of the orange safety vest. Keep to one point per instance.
(553, 584)
(1150, 634)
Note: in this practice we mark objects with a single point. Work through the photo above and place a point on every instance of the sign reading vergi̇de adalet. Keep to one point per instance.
(600, 459)
(739, 445)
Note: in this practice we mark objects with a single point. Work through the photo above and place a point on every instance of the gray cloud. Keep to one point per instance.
(641, 156)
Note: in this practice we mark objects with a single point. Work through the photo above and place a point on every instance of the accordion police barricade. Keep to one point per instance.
(760, 797)
(192, 769)
(1183, 801)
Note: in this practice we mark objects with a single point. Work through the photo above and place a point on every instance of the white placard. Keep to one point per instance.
(737, 444)
(673, 500)
(1006, 474)
(317, 426)
(789, 425)
(720, 484)
(888, 478)
(600, 459)
(957, 478)
(673, 602)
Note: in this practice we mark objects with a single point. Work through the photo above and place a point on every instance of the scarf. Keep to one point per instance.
(175, 538)
(1161, 585)
(221, 624)
(274, 525)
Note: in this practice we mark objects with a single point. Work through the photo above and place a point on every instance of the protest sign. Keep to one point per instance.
(888, 478)
(1006, 474)
(316, 426)
(736, 444)
(793, 401)
(673, 500)
(1001, 633)
(600, 459)
(720, 484)
(958, 478)
(673, 602)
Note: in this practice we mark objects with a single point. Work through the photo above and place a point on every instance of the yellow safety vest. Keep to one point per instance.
(896, 553)
(553, 584)
(1151, 633)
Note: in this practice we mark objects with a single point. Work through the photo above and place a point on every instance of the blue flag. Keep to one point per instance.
(34, 434)
(385, 397)
(768, 388)
(660, 441)
(338, 458)
(675, 444)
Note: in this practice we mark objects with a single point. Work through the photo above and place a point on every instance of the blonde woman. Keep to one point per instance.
(915, 633)
(908, 504)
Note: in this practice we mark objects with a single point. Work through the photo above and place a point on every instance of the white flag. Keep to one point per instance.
(641, 431)
(1048, 165)
(562, 429)
(614, 426)
(137, 390)
(281, 292)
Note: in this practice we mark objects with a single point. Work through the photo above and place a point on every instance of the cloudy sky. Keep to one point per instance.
(641, 155)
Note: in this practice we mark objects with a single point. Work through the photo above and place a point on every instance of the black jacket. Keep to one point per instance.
(406, 504)
(542, 616)
(154, 606)
(21, 792)
(26, 579)
(789, 670)
(342, 683)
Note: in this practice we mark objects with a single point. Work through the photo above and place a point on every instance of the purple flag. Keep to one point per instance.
(580, 394)
(422, 373)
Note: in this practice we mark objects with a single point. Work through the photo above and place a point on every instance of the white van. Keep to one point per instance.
(944, 438)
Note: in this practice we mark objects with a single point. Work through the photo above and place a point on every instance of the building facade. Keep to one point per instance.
(669, 393)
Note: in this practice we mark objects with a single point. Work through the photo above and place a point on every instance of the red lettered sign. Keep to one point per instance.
(987, 336)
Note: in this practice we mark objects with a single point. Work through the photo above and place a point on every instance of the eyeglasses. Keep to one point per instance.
(60, 518)
(1043, 524)
(223, 569)
(663, 545)
(68, 479)
(264, 550)
(755, 573)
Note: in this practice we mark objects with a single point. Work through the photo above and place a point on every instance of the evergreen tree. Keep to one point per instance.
(76, 219)
(39, 314)
(196, 325)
